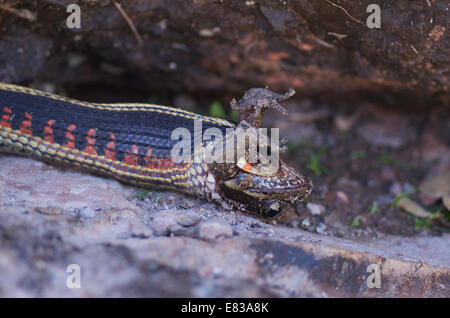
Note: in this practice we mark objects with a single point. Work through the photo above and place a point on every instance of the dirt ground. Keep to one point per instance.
(363, 160)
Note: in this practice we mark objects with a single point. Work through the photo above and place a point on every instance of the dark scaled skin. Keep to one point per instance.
(251, 191)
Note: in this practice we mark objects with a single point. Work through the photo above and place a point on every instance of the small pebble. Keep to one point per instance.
(414, 208)
(446, 201)
(187, 217)
(343, 197)
(395, 189)
(181, 217)
(321, 228)
(211, 230)
(163, 225)
(167, 222)
(306, 223)
(344, 123)
(315, 209)
(87, 212)
(436, 187)
(49, 210)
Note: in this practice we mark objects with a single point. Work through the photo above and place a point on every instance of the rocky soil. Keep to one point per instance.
(164, 244)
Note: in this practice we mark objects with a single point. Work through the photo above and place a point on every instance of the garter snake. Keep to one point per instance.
(132, 143)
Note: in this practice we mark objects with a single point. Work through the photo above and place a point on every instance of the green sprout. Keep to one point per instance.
(314, 162)
(141, 193)
(216, 110)
(423, 223)
(355, 222)
(374, 208)
(426, 223)
(402, 195)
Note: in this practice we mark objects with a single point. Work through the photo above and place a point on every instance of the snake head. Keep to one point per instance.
(265, 194)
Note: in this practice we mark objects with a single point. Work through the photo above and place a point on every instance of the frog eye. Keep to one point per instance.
(243, 164)
(260, 168)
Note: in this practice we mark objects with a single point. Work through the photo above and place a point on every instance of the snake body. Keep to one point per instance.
(130, 142)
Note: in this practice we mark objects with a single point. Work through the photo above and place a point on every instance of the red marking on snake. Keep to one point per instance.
(90, 139)
(110, 150)
(48, 133)
(148, 157)
(26, 125)
(161, 164)
(132, 158)
(6, 118)
(70, 142)
(167, 164)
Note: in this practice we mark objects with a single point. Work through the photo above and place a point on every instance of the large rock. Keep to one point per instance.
(172, 245)
(320, 48)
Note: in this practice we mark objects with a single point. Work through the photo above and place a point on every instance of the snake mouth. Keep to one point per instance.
(283, 189)
(267, 202)
(290, 193)
(264, 195)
